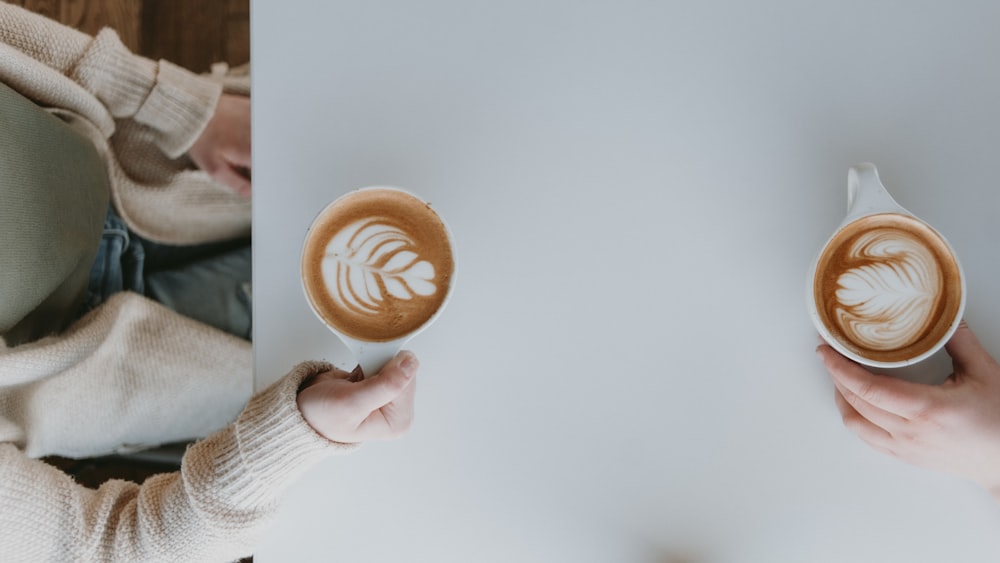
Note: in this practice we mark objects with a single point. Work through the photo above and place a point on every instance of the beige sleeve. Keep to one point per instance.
(128, 375)
(213, 509)
(173, 102)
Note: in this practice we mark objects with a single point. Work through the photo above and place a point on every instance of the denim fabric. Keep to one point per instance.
(214, 290)
(119, 263)
(209, 283)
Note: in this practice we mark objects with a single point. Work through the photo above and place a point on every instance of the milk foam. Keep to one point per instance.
(370, 259)
(886, 303)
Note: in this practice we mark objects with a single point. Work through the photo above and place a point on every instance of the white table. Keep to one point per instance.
(626, 370)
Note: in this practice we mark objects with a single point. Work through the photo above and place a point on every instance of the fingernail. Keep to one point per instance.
(408, 362)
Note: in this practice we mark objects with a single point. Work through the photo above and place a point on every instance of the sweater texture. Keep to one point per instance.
(132, 373)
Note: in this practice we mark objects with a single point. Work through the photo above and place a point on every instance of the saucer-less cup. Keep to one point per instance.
(377, 268)
(886, 290)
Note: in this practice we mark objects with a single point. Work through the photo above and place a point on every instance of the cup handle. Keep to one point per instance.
(865, 192)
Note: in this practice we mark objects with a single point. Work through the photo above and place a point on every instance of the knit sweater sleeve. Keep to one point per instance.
(173, 102)
(129, 374)
(213, 509)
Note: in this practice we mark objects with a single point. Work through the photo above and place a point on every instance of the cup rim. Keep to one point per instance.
(451, 283)
(828, 338)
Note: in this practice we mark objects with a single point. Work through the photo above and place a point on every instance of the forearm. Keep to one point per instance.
(170, 100)
(48, 517)
(212, 510)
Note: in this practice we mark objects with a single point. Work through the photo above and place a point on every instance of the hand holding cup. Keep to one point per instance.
(886, 290)
(953, 427)
(345, 410)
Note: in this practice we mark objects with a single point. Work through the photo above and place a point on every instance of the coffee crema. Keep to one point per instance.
(377, 264)
(887, 287)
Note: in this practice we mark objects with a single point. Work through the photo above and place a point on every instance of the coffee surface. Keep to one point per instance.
(887, 287)
(377, 264)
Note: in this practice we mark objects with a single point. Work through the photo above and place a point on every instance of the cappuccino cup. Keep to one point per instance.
(377, 268)
(886, 290)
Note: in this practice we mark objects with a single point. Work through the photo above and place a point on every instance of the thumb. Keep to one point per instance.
(388, 384)
(967, 353)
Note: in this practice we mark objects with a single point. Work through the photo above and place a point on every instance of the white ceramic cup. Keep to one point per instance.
(866, 196)
(372, 355)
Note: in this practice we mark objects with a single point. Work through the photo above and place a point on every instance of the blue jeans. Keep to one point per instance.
(210, 283)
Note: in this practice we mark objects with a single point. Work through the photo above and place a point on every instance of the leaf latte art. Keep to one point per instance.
(887, 302)
(377, 264)
(888, 289)
(370, 260)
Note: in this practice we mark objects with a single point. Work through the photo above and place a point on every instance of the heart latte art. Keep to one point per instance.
(377, 264)
(887, 287)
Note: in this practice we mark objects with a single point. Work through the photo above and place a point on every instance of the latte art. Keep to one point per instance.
(377, 264)
(887, 303)
(371, 260)
(888, 288)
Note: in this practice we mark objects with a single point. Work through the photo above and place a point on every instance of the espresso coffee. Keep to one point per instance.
(888, 287)
(377, 264)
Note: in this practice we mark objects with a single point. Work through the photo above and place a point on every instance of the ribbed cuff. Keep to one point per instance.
(267, 448)
(179, 107)
(174, 102)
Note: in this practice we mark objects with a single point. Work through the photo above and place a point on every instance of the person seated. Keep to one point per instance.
(125, 183)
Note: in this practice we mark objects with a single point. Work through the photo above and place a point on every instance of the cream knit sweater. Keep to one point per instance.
(212, 510)
(133, 373)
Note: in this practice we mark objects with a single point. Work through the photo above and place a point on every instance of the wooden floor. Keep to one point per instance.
(191, 33)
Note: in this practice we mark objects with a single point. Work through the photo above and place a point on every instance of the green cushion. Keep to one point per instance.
(54, 194)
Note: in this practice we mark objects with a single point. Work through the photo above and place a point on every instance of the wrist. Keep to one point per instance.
(178, 108)
(270, 444)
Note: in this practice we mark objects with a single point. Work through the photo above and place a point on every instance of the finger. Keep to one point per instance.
(334, 373)
(386, 386)
(870, 433)
(228, 176)
(896, 396)
(967, 353)
(240, 157)
(888, 421)
(394, 418)
(241, 184)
